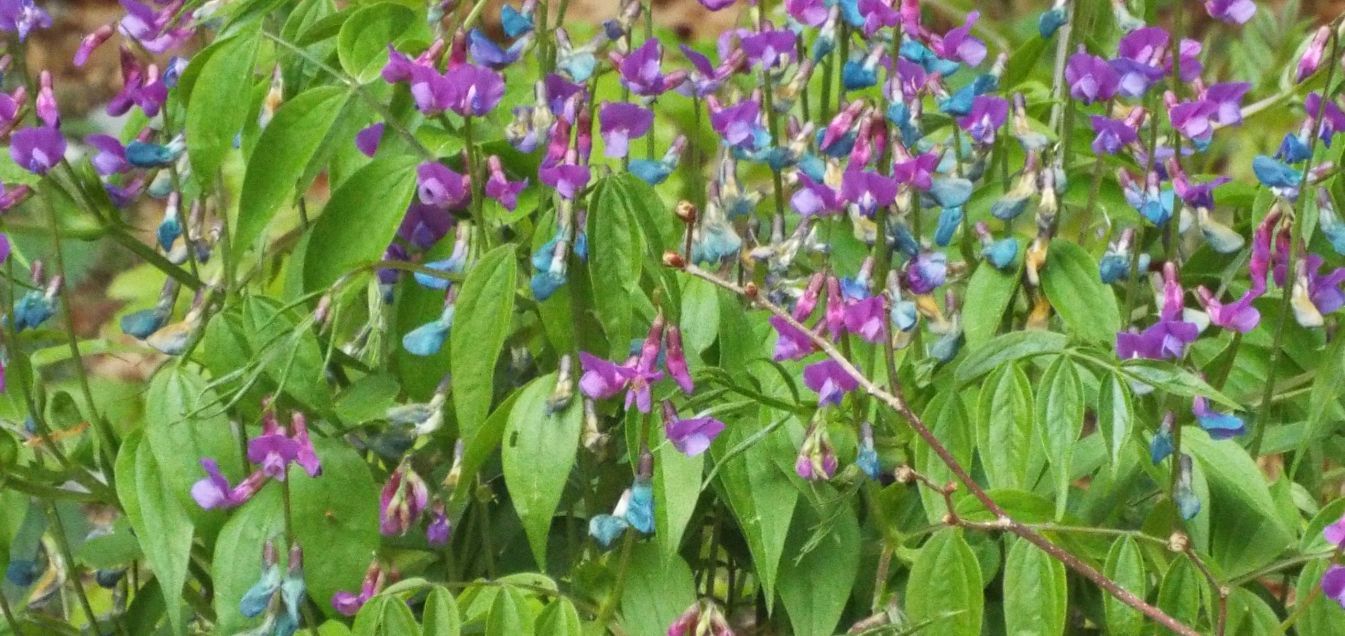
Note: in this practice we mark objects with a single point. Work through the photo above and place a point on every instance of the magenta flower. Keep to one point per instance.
(1312, 55)
(22, 17)
(810, 12)
(499, 187)
(771, 48)
(1167, 338)
(814, 199)
(369, 138)
(1112, 135)
(988, 113)
(866, 190)
(879, 14)
(438, 530)
(273, 450)
(213, 490)
(441, 187)
(1328, 111)
(141, 86)
(691, 436)
(676, 361)
(155, 31)
(918, 171)
(959, 44)
(474, 90)
(1091, 78)
(867, 318)
(403, 499)
(568, 179)
(715, 5)
(1227, 99)
(619, 122)
(1333, 584)
(1231, 11)
(705, 78)
(1335, 533)
(1239, 315)
(816, 460)
(1194, 119)
(37, 150)
(110, 157)
(349, 604)
(829, 380)
(307, 456)
(926, 272)
(738, 124)
(91, 42)
(641, 70)
(792, 344)
(602, 378)
(1324, 290)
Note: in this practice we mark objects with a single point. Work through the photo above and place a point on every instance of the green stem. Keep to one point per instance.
(58, 532)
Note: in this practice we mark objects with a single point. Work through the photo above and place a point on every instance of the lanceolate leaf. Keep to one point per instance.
(1115, 416)
(286, 147)
(1059, 422)
(1035, 594)
(945, 584)
(815, 586)
(677, 480)
(539, 451)
(1070, 280)
(657, 591)
(989, 293)
(359, 220)
(1009, 347)
(482, 322)
(615, 262)
(214, 114)
(159, 519)
(1125, 565)
(1004, 431)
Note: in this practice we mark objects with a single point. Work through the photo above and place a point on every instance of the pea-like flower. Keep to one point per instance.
(619, 122)
(1231, 11)
(690, 436)
(829, 380)
(1091, 79)
(37, 150)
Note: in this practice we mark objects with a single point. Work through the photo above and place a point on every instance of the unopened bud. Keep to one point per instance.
(686, 212)
(1178, 542)
(674, 260)
(904, 474)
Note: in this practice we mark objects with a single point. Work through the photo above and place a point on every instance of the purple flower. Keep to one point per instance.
(1091, 78)
(499, 187)
(959, 44)
(715, 5)
(1112, 135)
(988, 113)
(1188, 54)
(867, 318)
(213, 490)
(141, 86)
(1196, 195)
(792, 343)
(1324, 290)
(641, 70)
(829, 380)
(486, 52)
(1166, 339)
(91, 42)
(814, 199)
(21, 17)
(369, 138)
(704, 78)
(1335, 533)
(423, 225)
(402, 501)
(866, 190)
(110, 157)
(1328, 111)
(918, 171)
(1239, 315)
(1193, 119)
(273, 451)
(1312, 55)
(1231, 11)
(1135, 78)
(349, 604)
(1218, 424)
(155, 31)
(808, 12)
(1227, 99)
(602, 378)
(926, 271)
(770, 49)
(737, 124)
(816, 460)
(474, 90)
(568, 179)
(1146, 45)
(37, 150)
(563, 97)
(691, 436)
(619, 122)
(676, 361)
(879, 14)
(1333, 584)
(441, 187)
(307, 456)
(438, 531)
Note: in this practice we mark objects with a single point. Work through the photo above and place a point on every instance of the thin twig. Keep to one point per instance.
(897, 402)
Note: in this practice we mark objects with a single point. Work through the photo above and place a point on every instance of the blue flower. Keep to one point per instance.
(949, 220)
(22, 572)
(856, 75)
(606, 529)
(1275, 174)
(640, 513)
(169, 231)
(650, 171)
(147, 155)
(904, 315)
(1002, 253)
(958, 104)
(1050, 22)
(951, 192)
(1188, 504)
(141, 324)
(545, 284)
(1292, 149)
(515, 23)
(1218, 424)
(428, 339)
(1160, 447)
(32, 310)
(257, 597)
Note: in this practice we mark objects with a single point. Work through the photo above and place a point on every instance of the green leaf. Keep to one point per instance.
(677, 488)
(362, 45)
(214, 115)
(1247, 532)
(539, 451)
(484, 315)
(1035, 594)
(759, 493)
(1125, 565)
(1004, 427)
(1059, 422)
(359, 220)
(159, 519)
(560, 618)
(1169, 377)
(506, 617)
(1248, 614)
(947, 419)
(657, 591)
(183, 425)
(1326, 383)
(384, 615)
(335, 520)
(615, 261)
(700, 314)
(945, 586)
(1070, 280)
(286, 147)
(1322, 616)
(989, 293)
(1179, 595)
(815, 587)
(293, 357)
(1115, 417)
(1009, 347)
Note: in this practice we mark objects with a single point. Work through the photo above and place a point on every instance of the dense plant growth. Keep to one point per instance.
(869, 316)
